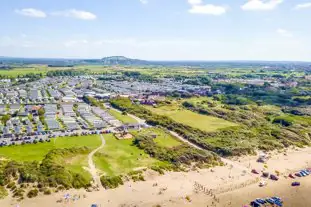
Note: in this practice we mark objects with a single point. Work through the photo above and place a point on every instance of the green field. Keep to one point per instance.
(123, 118)
(36, 152)
(120, 156)
(202, 122)
(163, 139)
(22, 71)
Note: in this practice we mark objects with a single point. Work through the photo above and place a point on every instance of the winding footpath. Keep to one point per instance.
(92, 168)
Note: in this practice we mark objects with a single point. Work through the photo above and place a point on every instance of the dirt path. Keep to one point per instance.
(92, 168)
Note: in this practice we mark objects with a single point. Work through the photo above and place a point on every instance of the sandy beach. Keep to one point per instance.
(220, 186)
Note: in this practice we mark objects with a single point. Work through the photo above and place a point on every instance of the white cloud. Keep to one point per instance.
(144, 1)
(73, 13)
(195, 2)
(303, 6)
(261, 5)
(284, 33)
(197, 7)
(31, 12)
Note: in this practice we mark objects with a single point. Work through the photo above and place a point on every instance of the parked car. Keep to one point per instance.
(255, 171)
(296, 184)
(274, 177)
(291, 176)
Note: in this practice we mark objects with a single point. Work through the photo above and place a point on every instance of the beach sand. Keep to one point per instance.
(225, 186)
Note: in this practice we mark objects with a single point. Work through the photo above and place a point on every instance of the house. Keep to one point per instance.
(29, 129)
(50, 110)
(17, 129)
(6, 130)
(70, 123)
(22, 93)
(3, 110)
(68, 110)
(14, 108)
(69, 99)
(35, 95)
(10, 94)
(52, 124)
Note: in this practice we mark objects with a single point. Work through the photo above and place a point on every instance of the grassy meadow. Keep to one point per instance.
(36, 152)
(121, 156)
(162, 138)
(187, 117)
(123, 118)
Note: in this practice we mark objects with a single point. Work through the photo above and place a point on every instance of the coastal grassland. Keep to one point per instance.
(161, 137)
(60, 163)
(187, 117)
(255, 126)
(121, 157)
(121, 117)
(36, 152)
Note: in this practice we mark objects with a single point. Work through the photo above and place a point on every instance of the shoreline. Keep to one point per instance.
(226, 186)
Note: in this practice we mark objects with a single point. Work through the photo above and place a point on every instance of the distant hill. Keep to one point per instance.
(121, 60)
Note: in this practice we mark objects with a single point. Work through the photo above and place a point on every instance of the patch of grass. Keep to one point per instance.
(162, 138)
(36, 152)
(123, 118)
(3, 192)
(187, 117)
(121, 156)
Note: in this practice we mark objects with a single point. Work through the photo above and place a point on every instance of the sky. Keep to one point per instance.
(157, 29)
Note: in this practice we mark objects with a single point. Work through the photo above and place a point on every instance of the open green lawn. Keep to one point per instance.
(31, 152)
(163, 138)
(123, 118)
(203, 122)
(120, 157)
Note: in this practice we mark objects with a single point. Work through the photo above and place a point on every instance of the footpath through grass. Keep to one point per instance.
(202, 122)
(121, 157)
(36, 152)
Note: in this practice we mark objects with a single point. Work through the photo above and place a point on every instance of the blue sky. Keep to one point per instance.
(157, 29)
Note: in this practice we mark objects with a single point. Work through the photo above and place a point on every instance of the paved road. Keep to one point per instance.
(92, 168)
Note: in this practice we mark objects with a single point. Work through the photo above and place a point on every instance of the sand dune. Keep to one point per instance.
(223, 186)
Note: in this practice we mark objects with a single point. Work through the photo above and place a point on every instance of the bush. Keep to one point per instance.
(283, 121)
(32, 193)
(111, 182)
(47, 191)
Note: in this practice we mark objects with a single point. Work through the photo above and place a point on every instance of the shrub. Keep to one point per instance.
(32, 193)
(111, 182)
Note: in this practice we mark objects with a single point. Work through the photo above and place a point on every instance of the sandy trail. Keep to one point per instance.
(92, 168)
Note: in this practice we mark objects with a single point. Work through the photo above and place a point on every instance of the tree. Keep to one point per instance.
(41, 112)
(5, 118)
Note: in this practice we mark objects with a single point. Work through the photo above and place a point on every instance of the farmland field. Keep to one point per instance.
(36, 152)
(120, 156)
(202, 122)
